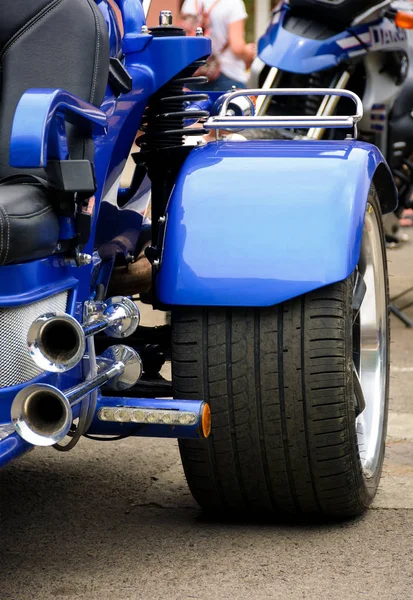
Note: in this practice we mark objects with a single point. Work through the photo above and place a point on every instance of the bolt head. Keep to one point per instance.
(84, 259)
(165, 18)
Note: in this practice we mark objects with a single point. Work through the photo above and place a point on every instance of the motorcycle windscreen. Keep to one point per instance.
(301, 45)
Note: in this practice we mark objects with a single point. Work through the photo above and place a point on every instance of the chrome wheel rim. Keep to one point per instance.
(370, 345)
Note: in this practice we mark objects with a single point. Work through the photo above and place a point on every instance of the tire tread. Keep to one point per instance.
(279, 383)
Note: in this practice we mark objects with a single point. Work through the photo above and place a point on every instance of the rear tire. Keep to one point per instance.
(280, 384)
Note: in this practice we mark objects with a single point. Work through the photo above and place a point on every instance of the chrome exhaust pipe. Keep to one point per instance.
(57, 341)
(42, 414)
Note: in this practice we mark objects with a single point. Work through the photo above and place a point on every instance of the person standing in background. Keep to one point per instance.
(224, 22)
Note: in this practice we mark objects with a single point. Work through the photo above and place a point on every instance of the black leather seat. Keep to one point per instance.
(338, 13)
(28, 227)
(44, 44)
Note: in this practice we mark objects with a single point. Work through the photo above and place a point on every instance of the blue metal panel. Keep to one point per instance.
(257, 223)
(133, 17)
(29, 282)
(36, 121)
(115, 38)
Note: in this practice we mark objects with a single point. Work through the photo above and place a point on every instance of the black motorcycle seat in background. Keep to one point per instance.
(340, 14)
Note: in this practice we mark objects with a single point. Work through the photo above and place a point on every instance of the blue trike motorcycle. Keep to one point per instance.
(279, 334)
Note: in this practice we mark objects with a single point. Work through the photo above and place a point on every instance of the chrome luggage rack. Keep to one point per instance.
(225, 121)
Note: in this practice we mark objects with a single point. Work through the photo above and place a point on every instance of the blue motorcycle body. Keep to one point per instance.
(231, 234)
(287, 50)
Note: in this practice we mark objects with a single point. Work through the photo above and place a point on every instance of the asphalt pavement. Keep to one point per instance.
(116, 521)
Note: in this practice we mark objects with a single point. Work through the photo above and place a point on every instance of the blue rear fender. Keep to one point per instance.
(257, 223)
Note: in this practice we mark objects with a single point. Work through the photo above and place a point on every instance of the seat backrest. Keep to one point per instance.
(51, 44)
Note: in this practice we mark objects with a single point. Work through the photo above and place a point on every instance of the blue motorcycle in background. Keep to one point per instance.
(279, 335)
(359, 45)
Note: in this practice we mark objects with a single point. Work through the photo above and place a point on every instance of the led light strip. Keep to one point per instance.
(147, 416)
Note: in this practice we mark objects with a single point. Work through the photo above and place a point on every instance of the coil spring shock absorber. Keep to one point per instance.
(164, 122)
(162, 143)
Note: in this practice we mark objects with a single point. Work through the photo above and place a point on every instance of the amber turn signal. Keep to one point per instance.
(206, 421)
(404, 20)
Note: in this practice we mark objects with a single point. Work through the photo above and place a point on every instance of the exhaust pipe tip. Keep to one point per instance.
(56, 342)
(41, 415)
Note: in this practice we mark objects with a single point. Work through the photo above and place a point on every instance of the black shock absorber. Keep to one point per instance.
(162, 144)
(164, 122)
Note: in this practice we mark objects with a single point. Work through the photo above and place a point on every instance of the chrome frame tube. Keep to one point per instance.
(279, 122)
(99, 325)
(107, 369)
(76, 393)
(224, 122)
